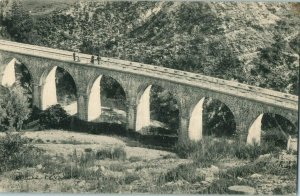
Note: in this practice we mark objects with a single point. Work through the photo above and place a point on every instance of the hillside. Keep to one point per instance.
(254, 43)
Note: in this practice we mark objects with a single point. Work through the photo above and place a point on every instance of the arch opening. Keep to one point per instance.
(211, 117)
(16, 73)
(272, 130)
(107, 101)
(157, 112)
(58, 87)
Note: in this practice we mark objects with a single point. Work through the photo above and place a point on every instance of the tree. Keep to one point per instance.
(54, 117)
(14, 107)
(18, 22)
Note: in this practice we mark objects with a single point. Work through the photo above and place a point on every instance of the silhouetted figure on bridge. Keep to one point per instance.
(98, 59)
(74, 56)
(92, 59)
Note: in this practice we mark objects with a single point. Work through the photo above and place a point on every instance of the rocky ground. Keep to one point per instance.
(140, 171)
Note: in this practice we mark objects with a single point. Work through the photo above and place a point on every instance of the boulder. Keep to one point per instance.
(245, 190)
(256, 176)
(39, 166)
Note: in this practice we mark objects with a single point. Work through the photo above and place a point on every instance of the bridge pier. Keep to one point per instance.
(131, 114)
(36, 95)
(183, 129)
(82, 106)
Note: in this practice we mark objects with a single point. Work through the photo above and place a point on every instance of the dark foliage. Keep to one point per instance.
(218, 120)
(181, 172)
(164, 107)
(16, 153)
(65, 87)
(54, 117)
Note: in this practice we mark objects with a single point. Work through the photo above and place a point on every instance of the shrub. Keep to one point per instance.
(14, 107)
(118, 167)
(267, 166)
(207, 151)
(185, 149)
(181, 172)
(15, 152)
(247, 151)
(134, 159)
(285, 190)
(54, 117)
(151, 130)
(117, 152)
(129, 178)
(79, 172)
(107, 185)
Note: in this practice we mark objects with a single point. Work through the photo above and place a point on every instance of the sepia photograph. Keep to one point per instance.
(157, 97)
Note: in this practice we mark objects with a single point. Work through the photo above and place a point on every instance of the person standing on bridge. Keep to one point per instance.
(98, 59)
(92, 59)
(74, 56)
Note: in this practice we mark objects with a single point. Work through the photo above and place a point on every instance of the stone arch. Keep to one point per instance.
(94, 101)
(94, 108)
(9, 73)
(196, 121)
(49, 87)
(256, 128)
(143, 109)
(143, 117)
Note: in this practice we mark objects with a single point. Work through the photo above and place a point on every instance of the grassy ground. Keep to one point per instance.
(61, 161)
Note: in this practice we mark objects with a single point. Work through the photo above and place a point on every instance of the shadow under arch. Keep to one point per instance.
(106, 95)
(16, 72)
(271, 128)
(210, 117)
(155, 104)
(58, 87)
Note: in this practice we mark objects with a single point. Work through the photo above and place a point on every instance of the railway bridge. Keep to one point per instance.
(247, 103)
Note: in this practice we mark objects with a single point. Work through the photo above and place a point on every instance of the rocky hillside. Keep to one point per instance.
(254, 43)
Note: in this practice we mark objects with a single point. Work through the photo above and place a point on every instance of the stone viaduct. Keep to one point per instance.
(247, 103)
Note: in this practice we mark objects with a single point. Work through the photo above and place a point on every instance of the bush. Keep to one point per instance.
(129, 178)
(118, 167)
(207, 151)
(14, 107)
(285, 190)
(15, 152)
(112, 153)
(135, 159)
(181, 172)
(248, 151)
(78, 172)
(54, 117)
(151, 130)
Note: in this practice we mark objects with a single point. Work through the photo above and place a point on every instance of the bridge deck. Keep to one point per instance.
(223, 86)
